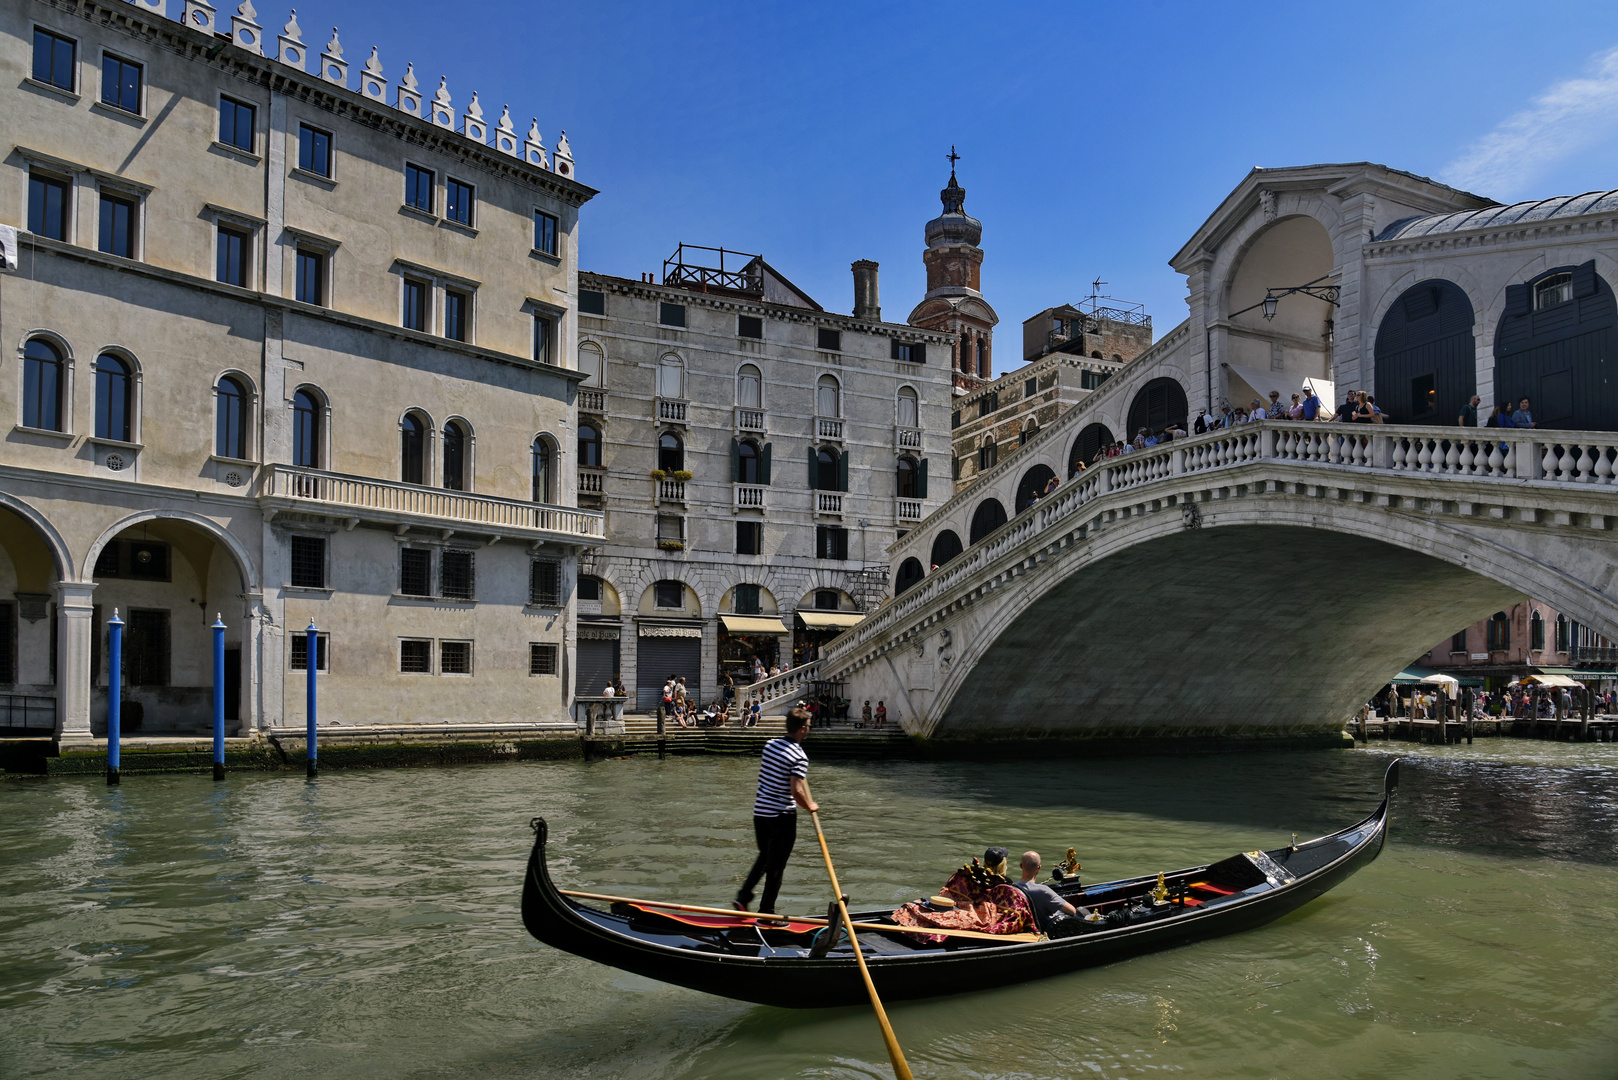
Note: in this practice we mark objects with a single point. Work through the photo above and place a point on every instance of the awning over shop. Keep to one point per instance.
(1415, 674)
(829, 620)
(1549, 680)
(1258, 384)
(1577, 673)
(752, 624)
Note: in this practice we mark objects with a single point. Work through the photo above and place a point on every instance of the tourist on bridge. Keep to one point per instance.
(1277, 411)
(782, 787)
(1311, 403)
(1469, 414)
(1522, 417)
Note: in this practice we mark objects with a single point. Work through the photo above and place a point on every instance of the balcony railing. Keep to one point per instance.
(592, 481)
(1594, 654)
(671, 411)
(749, 419)
(907, 438)
(909, 510)
(750, 496)
(671, 491)
(827, 428)
(829, 502)
(395, 503)
(592, 401)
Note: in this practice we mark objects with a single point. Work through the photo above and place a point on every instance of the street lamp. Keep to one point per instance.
(1270, 300)
(1272, 296)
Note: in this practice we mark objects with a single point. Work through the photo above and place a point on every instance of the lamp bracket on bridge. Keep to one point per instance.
(1272, 296)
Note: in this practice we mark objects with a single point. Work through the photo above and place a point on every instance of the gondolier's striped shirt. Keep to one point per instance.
(783, 759)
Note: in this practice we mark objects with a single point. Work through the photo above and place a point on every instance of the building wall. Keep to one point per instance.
(1014, 415)
(791, 364)
(230, 521)
(1576, 645)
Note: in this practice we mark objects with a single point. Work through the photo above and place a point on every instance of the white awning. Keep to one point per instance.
(829, 620)
(752, 624)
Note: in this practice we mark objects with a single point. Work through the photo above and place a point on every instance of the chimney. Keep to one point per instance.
(865, 299)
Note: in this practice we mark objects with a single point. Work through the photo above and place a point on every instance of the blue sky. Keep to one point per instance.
(1094, 139)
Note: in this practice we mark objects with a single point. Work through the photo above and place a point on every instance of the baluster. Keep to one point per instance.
(1452, 457)
(1586, 467)
(1603, 465)
(1424, 456)
(1548, 464)
(1400, 453)
(1468, 460)
(1568, 465)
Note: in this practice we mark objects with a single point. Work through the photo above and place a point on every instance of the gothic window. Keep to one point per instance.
(592, 363)
(671, 377)
(909, 408)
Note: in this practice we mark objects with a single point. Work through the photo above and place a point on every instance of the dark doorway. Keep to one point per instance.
(146, 648)
(990, 516)
(1426, 366)
(1087, 446)
(1555, 336)
(233, 684)
(946, 545)
(1032, 486)
(1159, 403)
(910, 573)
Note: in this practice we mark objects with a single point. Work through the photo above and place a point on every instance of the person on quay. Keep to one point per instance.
(782, 788)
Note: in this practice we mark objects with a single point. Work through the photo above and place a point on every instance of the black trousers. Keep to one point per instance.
(775, 836)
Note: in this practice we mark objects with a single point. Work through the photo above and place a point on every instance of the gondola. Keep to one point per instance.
(738, 957)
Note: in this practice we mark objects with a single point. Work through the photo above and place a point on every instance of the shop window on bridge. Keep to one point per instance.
(1536, 633)
(1159, 404)
(989, 516)
(946, 545)
(1564, 636)
(1424, 398)
(1553, 344)
(1087, 446)
(1498, 632)
(1426, 370)
(910, 573)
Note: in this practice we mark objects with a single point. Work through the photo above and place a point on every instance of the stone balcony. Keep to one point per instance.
(827, 427)
(362, 499)
(907, 438)
(750, 419)
(829, 503)
(592, 481)
(592, 400)
(670, 491)
(908, 511)
(750, 496)
(672, 411)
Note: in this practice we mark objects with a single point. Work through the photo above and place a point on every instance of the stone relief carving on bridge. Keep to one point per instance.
(1190, 516)
(1266, 205)
(946, 651)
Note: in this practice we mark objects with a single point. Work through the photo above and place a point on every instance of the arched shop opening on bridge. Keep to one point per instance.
(822, 615)
(1159, 405)
(946, 545)
(1090, 442)
(1032, 486)
(989, 516)
(1552, 345)
(750, 628)
(168, 579)
(29, 574)
(1426, 362)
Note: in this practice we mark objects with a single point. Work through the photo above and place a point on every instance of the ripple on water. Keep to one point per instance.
(367, 925)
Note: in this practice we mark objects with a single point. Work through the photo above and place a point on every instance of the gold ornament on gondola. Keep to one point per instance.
(1160, 895)
(1070, 865)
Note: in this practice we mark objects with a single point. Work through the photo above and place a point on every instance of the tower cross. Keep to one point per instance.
(952, 157)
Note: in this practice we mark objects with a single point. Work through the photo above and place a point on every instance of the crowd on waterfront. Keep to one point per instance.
(1513, 702)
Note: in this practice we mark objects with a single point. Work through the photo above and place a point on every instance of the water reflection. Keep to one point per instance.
(366, 925)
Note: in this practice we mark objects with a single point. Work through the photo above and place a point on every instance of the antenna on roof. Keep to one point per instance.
(1095, 287)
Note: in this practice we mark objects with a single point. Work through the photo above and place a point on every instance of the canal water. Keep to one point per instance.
(367, 925)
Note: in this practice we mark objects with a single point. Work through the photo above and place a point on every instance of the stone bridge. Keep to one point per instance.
(1261, 580)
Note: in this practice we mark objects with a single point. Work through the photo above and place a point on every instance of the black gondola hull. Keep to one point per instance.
(797, 981)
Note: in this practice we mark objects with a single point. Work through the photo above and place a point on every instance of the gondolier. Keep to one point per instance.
(782, 788)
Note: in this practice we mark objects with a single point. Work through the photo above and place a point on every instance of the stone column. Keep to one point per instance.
(254, 621)
(75, 622)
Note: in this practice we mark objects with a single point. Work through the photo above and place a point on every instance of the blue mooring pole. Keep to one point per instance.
(311, 661)
(218, 697)
(115, 691)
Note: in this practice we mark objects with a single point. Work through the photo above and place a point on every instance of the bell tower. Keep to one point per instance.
(954, 301)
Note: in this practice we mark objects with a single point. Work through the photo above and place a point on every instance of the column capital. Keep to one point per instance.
(75, 594)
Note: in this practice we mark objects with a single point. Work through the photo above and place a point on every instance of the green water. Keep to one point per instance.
(367, 925)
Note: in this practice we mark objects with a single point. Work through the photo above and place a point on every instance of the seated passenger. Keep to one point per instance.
(984, 901)
(1046, 901)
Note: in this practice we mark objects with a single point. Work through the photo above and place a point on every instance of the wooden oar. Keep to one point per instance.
(697, 909)
(901, 1068)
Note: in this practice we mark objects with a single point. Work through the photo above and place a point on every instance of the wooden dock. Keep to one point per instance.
(1446, 732)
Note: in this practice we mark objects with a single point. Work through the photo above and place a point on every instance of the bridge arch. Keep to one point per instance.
(946, 545)
(1032, 486)
(989, 516)
(1157, 405)
(1426, 359)
(1085, 447)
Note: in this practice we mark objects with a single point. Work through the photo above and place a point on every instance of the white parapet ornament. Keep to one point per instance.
(246, 33)
(292, 50)
(443, 114)
(372, 84)
(333, 68)
(473, 125)
(200, 15)
(564, 156)
(505, 136)
(533, 148)
(407, 99)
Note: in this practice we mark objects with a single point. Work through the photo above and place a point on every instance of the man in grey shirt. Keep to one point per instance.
(1045, 900)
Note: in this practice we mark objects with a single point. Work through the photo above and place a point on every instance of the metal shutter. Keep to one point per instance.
(660, 657)
(598, 663)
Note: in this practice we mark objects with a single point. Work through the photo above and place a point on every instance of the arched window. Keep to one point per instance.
(946, 545)
(1552, 344)
(910, 573)
(592, 363)
(671, 377)
(908, 486)
(1536, 632)
(306, 430)
(543, 469)
(828, 397)
(990, 516)
(1159, 403)
(230, 418)
(909, 409)
(589, 447)
(1564, 636)
(747, 462)
(1033, 486)
(1085, 448)
(988, 454)
(670, 452)
(455, 440)
(750, 387)
(1497, 632)
(1096, 356)
(413, 449)
(114, 399)
(828, 473)
(1027, 433)
(42, 379)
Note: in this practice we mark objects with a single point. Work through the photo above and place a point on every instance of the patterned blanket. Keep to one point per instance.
(984, 902)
